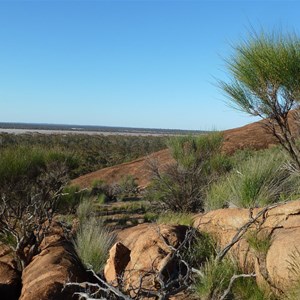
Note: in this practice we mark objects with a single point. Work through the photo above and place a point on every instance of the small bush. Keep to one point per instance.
(125, 189)
(182, 186)
(92, 244)
(100, 188)
(128, 188)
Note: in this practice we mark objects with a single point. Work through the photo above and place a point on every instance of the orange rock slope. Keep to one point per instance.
(253, 136)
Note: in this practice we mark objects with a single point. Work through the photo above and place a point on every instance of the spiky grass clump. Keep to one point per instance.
(294, 270)
(260, 180)
(92, 244)
(247, 288)
(260, 242)
(85, 210)
(216, 278)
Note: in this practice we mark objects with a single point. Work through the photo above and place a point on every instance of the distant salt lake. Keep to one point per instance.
(106, 133)
(32, 128)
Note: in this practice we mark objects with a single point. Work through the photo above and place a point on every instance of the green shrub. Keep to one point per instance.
(100, 188)
(94, 152)
(19, 162)
(128, 188)
(16, 163)
(258, 181)
(182, 186)
(101, 199)
(93, 242)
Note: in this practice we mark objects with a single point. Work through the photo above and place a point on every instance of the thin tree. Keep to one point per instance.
(265, 82)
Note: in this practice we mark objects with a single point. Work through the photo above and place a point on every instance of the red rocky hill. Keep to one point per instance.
(252, 136)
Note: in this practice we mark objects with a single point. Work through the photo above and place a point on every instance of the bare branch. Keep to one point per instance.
(233, 278)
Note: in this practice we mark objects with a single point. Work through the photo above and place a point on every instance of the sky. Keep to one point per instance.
(151, 64)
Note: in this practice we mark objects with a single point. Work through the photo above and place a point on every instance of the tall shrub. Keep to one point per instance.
(182, 185)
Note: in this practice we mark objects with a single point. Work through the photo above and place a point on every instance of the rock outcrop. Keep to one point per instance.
(149, 249)
(119, 257)
(56, 264)
(279, 226)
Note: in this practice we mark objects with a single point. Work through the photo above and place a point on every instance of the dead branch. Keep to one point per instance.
(244, 229)
(233, 278)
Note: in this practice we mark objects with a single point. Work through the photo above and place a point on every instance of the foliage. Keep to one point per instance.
(294, 270)
(31, 182)
(216, 278)
(85, 210)
(150, 217)
(174, 218)
(181, 186)
(94, 152)
(262, 179)
(70, 198)
(101, 188)
(126, 189)
(260, 242)
(93, 242)
(202, 247)
(247, 289)
(266, 83)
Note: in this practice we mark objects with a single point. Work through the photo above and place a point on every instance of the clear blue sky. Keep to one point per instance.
(126, 63)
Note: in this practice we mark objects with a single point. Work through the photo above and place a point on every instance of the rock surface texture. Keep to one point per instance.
(56, 264)
(10, 278)
(278, 226)
(149, 248)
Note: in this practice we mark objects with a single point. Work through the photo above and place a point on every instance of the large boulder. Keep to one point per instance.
(57, 263)
(119, 257)
(279, 225)
(148, 247)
